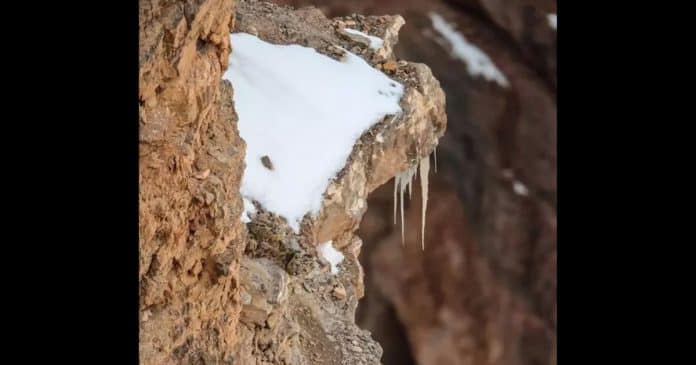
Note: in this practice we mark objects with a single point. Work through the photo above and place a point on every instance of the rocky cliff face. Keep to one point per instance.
(191, 161)
(484, 291)
(212, 289)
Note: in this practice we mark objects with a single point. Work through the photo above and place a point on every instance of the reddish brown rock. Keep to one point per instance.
(191, 160)
(212, 290)
(482, 292)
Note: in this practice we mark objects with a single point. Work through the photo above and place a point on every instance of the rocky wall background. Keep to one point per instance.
(484, 290)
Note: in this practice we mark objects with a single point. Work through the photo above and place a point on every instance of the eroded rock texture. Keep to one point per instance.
(216, 291)
(484, 291)
(191, 161)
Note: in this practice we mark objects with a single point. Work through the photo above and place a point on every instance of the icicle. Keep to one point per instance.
(396, 184)
(409, 175)
(401, 188)
(410, 184)
(402, 182)
(435, 156)
(414, 176)
(424, 169)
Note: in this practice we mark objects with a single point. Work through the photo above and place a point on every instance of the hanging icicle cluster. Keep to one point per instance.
(401, 181)
(405, 180)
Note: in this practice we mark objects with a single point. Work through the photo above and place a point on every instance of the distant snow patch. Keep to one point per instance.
(331, 255)
(477, 62)
(375, 42)
(519, 188)
(304, 111)
(552, 20)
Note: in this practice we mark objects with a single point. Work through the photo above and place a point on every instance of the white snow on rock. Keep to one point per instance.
(552, 20)
(249, 211)
(477, 62)
(519, 188)
(304, 111)
(375, 42)
(331, 255)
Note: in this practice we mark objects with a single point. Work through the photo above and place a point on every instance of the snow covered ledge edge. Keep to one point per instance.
(391, 146)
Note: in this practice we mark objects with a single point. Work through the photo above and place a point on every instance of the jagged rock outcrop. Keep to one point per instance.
(526, 22)
(295, 310)
(191, 161)
(216, 291)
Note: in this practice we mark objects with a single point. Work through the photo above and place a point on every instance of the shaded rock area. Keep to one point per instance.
(484, 290)
(212, 289)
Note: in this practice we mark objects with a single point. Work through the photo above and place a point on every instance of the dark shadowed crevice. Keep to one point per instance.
(375, 313)
(387, 330)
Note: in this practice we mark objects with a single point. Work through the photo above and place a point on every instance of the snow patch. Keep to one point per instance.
(477, 62)
(249, 211)
(331, 255)
(519, 188)
(552, 18)
(375, 42)
(379, 138)
(304, 111)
